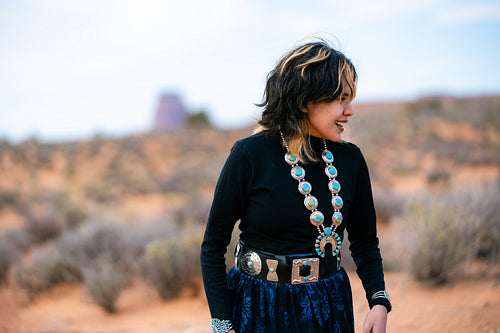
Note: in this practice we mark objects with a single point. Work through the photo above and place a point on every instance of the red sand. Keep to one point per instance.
(466, 306)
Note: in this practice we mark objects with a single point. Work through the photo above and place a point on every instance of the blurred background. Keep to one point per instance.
(116, 118)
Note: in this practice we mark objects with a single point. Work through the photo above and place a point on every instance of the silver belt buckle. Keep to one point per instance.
(313, 275)
(251, 263)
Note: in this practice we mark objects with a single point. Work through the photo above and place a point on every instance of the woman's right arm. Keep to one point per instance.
(227, 207)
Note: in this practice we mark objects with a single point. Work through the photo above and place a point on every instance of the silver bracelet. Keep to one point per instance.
(382, 294)
(220, 326)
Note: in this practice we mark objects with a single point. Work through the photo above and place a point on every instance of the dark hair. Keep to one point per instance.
(312, 72)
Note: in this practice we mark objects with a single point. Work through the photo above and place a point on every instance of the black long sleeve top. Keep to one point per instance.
(255, 186)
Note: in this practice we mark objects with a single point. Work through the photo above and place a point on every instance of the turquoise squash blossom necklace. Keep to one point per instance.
(326, 234)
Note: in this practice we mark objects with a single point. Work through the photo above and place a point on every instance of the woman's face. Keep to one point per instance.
(327, 120)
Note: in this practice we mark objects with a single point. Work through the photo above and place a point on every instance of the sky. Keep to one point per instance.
(72, 69)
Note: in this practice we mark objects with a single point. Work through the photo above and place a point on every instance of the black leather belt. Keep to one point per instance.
(292, 269)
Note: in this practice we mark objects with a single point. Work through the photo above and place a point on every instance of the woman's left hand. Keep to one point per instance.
(376, 320)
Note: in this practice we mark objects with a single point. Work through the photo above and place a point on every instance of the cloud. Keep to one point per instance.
(475, 11)
(368, 11)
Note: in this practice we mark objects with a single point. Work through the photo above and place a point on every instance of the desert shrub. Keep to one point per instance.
(104, 280)
(487, 330)
(138, 236)
(201, 172)
(46, 268)
(100, 192)
(74, 215)
(388, 205)
(438, 176)
(171, 263)
(42, 229)
(134, 145)
(107, 254)
(8, 197)
(195, 210)
(101, 254)
(198, 119)
(67, 258)
(7, 256)
(93, 240)
(440, 238)
(46, 215)
(452, 229)
(488, 235)
(18, 238)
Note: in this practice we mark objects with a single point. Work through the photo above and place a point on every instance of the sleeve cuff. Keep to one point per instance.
(381, 301)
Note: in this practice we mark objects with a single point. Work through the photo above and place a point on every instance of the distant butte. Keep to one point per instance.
(170, 113)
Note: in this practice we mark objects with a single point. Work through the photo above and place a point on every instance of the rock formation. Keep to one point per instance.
(170, 113)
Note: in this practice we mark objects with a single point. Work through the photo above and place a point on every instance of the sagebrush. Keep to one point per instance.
(450, 230)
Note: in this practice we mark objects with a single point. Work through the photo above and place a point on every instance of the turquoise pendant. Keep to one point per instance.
(337, 202)
(337, 218)
(290, 159)
(329, 236)
(317, 218)
(311, 202)
(327, 156)
(331, 171)
(298, 172)
(334, 186)
(305, 187)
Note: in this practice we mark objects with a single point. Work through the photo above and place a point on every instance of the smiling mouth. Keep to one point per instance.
(339, 125)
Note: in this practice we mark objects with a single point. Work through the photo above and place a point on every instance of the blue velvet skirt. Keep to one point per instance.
(262, 306)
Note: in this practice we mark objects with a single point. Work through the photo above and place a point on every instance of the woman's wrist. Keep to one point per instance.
(380, 307)
(381, 298)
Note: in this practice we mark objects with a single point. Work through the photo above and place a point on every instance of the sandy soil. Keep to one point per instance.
(466, 306)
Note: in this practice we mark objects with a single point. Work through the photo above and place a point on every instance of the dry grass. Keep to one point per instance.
(171, 263)
(448, 231)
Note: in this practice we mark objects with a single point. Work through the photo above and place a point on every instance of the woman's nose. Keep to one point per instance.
(348, 110)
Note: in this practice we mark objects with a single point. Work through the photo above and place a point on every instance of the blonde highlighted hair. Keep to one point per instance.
(312, 72)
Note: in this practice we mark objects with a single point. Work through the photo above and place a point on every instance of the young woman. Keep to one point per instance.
(295, 186)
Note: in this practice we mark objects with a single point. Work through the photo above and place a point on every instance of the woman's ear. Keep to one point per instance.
(306, 108)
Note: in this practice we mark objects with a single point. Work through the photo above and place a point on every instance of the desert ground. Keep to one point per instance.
(465, 306)
(432, 147)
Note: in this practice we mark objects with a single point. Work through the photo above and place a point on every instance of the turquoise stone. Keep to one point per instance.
(272, 270)
(329, 155)
(306, 278)
(298, 172)
(328, 231)
(335, 185)
(249, 263)
(305, 263)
